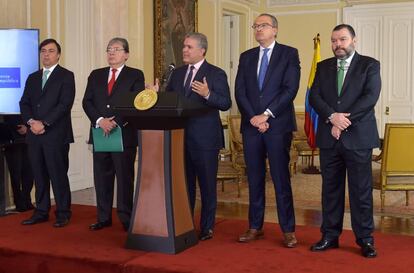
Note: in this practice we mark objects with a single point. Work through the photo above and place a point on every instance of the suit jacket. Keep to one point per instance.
(52, 105)
(360, 92)
(97, 103)
(280, 87)
(204, 132)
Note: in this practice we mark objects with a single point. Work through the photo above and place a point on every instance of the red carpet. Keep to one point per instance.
(44, 249)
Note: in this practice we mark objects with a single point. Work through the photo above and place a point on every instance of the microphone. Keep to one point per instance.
(167, 75)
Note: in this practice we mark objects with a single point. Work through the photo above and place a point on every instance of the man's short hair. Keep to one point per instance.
(49, 41)
(121, 41)
(348, 27)
(272, 17)
(201, 38)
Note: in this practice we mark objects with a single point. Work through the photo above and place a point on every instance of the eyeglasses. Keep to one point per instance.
(261, 26)
(114, 49)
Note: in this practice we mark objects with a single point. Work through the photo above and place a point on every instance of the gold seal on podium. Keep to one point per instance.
(145, 99)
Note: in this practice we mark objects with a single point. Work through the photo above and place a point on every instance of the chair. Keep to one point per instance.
(226, 171)
(300, 142)
(236, 143)
(236, 147)
(397, 161)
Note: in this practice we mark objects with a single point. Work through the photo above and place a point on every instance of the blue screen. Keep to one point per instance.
(19, 58)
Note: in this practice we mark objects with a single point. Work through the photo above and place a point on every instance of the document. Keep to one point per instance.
(107, 143)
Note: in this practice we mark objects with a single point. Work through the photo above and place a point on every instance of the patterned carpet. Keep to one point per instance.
(307, 195)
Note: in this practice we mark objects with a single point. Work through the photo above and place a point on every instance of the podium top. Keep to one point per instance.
(170, 112)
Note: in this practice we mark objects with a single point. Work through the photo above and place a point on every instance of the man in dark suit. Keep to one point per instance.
(45, 106)
(207, 84)
(266, 84)
(344, 93)
(104, 86)
(17, 158)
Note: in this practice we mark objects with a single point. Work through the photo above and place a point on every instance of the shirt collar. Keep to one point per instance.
(347, 60)
(270, 47)
(50, 68)
(197, 65)
(119, 69)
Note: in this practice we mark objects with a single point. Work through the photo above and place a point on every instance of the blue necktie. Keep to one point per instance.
(187, 85)
(263, 67)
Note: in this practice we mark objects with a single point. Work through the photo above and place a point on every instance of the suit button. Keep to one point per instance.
(38, 105)
(338, 102)
(260, 96)
(108, 106)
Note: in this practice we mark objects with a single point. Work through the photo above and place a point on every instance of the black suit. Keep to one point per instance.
(351, 154)
(280, 87)
(97, 103)
(204, 137)
(21, 176)
(48, 152)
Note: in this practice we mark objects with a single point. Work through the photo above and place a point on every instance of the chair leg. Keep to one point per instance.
(238, 186)
(382, 200)
(407, 198)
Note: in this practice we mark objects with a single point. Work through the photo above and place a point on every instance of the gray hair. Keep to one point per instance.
(121, 41)
(201, 39)
(272, 17)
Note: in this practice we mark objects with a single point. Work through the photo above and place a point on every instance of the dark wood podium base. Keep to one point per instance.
(161, 220)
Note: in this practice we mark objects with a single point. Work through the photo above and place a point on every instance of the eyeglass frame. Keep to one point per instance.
(114, 49)
(262, 26)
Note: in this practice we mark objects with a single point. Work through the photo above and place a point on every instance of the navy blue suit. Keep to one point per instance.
(280, 87)
(204, 137)
(49, 152)
(351, 154)
(97, 103)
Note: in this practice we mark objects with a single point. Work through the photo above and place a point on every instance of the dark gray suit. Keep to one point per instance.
(49, 152)
(97, 103)
(351, 154)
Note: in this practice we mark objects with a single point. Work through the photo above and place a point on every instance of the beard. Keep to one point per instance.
(343, 53)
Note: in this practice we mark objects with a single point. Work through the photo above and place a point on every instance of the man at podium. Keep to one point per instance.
(202, 82)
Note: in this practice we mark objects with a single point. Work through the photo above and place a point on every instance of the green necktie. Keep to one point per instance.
(44, 78)
(341, 73)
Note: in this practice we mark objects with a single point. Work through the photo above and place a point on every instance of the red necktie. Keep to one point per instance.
(111, 81)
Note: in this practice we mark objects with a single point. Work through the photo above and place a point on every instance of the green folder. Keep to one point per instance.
(110, 143)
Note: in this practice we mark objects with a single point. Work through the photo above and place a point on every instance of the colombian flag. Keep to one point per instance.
(311, 117)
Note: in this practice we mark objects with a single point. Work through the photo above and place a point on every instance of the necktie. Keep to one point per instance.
(111, 81)
(340, 78)
(187, 85)
(44, 77)
(263, 67)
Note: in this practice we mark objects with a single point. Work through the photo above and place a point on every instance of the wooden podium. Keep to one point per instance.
(161, 220)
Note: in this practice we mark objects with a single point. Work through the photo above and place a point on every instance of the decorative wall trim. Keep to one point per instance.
(278, 3)
(28, 14)
(48, 19)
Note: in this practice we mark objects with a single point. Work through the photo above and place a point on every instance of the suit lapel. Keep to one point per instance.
(121, 75)
(253, 63)
(52, 77)
(274, 59)
(349, 73)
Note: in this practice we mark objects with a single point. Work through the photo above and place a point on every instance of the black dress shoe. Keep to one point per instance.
(61, 223)
(100, 225)
(368, 250)
(205, 235)
(34, 220)
(325, 244)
